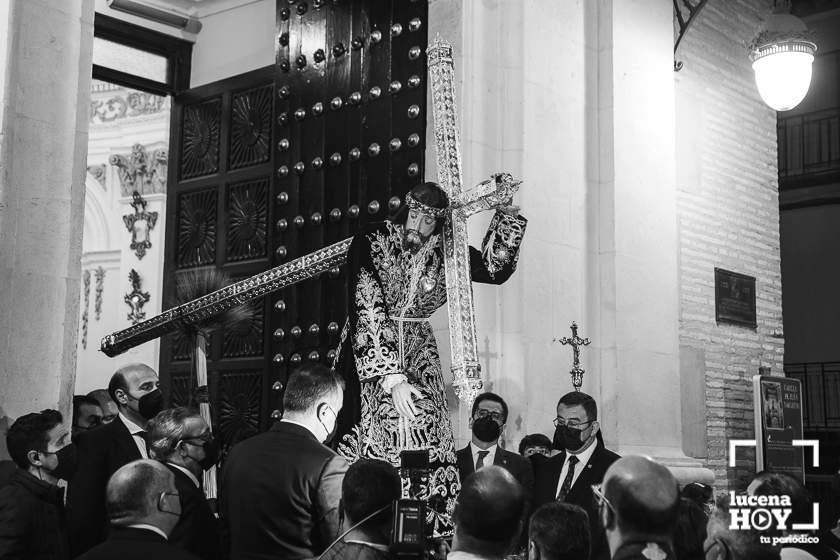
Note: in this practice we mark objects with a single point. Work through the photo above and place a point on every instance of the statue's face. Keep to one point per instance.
(418, 228)
(424, 224)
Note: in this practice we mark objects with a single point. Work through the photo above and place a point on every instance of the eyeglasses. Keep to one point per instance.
(571, 423)
(600, 497)
(497, 416)
(198, 441)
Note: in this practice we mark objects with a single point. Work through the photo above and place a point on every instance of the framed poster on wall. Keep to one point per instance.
(778, 422)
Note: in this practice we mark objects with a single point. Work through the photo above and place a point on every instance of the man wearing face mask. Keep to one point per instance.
(134, 388)
(108, 406)
(32, 520)
(583, 460)
(143, 509)
(87, 414)
(488, 420)
(280, 490)
(395, 397)
(181, 439)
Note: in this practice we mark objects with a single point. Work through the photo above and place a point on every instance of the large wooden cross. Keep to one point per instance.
(487, 195)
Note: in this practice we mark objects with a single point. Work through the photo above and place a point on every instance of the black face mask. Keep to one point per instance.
(67, 462)
(150, 404)
(567, 438)
(486, 429)
(211, 455)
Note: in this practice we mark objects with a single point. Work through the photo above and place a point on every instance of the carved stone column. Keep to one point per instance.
(45, 64)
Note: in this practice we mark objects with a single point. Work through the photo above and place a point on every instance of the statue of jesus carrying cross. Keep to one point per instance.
(400, 271)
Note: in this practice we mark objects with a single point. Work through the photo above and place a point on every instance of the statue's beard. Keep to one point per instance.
(413, 240)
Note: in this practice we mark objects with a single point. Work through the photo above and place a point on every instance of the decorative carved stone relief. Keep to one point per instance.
(99, 273)
(139, 225)
(136, 299)
(134, 104)
(86, 281)
(98, 173)
(141, 170)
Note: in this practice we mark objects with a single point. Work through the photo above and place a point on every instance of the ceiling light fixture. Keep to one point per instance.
(159, 15)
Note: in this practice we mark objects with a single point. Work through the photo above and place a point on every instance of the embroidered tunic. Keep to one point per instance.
(389, 340)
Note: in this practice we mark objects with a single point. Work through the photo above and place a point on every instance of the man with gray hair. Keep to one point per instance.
(181, 439)
(143, 508)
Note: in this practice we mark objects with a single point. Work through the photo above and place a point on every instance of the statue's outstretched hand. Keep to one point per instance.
(509, 209)
(403, 395)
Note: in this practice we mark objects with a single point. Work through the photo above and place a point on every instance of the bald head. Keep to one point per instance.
(489, 512)
(644, 496)
(133, 491)
(131, 380)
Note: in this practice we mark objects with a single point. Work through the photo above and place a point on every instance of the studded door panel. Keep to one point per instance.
(276, 163)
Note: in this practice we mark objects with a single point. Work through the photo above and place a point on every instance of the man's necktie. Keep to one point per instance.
(480, 461)
(142, 434)
(567, 483)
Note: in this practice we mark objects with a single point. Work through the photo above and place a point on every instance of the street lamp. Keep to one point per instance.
(781, 55)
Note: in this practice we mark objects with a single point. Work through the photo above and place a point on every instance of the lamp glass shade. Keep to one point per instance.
(783, 78)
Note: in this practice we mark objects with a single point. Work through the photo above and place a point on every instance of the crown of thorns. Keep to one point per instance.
(415, 204)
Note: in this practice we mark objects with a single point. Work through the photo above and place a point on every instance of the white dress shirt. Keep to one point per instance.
(137, 434)
(186, 472)
(491, 455)
(583, 459)
(151, 528)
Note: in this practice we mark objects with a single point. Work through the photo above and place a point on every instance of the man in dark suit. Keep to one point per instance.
(181, 439)
(638, 504)
(280, 490)
(582, 462)
(105, 449)
(488, 419)
(143, 508)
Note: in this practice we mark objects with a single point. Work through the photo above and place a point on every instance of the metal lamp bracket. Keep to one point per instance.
(686, 12)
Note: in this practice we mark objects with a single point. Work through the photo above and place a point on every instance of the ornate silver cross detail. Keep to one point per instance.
(487, 195)
(575, 342)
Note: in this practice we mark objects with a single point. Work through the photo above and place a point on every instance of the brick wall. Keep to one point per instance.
(728, 217)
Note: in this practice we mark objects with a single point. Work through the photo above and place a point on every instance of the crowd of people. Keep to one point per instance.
(133, 474)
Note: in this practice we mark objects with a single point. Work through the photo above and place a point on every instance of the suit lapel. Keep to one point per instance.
(465, 462)
(556, 470)
(125, 442)
(500, 459)
(587, 476)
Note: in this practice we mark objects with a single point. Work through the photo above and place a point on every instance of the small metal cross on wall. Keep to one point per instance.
(575, 342)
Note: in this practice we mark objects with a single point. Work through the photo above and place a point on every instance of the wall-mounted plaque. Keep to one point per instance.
(734, 298)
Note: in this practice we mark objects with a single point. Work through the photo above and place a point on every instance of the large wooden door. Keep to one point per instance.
(270, 165)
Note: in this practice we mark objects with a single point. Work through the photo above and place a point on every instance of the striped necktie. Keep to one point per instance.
(480, 461)
(567, 483)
